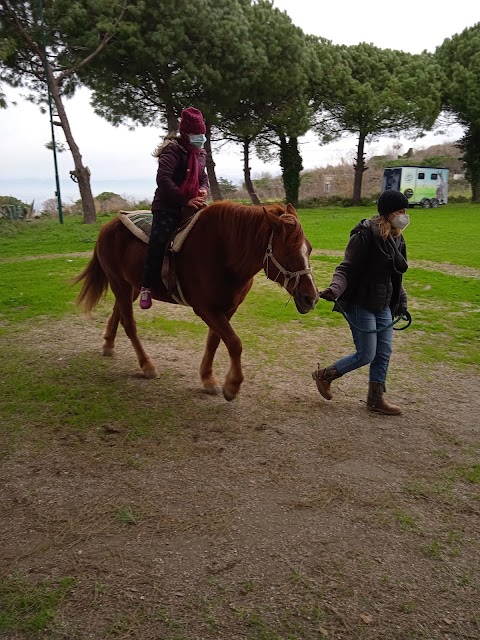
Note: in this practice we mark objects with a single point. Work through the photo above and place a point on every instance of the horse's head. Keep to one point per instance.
(287, 257)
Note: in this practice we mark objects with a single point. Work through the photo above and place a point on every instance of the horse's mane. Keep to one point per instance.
(251, 224)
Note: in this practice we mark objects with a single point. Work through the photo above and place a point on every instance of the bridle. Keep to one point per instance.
(287, 275)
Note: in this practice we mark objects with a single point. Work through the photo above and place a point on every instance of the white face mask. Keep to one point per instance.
(401, 221)
(197, 140)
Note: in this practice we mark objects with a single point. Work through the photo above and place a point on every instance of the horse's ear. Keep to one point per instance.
(273, 218)
(291, 210)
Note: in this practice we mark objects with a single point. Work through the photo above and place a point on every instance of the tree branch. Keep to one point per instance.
(106, 39)
(33, 46)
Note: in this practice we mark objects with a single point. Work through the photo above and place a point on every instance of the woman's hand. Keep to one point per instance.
(327, 294)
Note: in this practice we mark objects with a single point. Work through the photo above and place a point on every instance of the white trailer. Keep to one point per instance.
(424, 186)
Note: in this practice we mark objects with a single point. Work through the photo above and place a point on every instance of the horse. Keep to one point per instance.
(227, 246)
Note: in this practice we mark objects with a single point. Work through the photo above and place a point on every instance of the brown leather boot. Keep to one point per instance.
(323, 379)
(377, 403)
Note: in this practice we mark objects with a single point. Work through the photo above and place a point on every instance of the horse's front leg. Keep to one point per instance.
(220, 325)
(209, 379)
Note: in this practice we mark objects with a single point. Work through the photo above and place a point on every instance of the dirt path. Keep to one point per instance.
(279, 516)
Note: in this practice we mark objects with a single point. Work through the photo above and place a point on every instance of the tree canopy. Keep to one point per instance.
(42, 50)
(376, 92)
(459, 58)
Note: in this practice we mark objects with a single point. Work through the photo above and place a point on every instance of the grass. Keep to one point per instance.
(445, 307)
(46, 236)
(39, 393)
(447, 234)
(37, 288)
(27, 607)
(126, 515)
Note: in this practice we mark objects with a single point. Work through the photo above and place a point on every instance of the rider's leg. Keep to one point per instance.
(163, 225)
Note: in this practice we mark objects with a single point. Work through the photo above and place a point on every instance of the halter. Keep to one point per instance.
(287, 275)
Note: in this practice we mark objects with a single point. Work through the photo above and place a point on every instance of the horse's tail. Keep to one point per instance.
(95, 283)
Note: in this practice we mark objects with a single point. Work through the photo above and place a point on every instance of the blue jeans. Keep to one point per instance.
(374, 349)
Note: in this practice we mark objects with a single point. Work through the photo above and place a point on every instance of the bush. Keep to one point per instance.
(334, 201)
(458, 199)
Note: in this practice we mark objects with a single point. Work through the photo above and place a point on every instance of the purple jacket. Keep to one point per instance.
(172, 169)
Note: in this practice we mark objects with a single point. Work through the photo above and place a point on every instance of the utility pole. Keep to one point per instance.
(54, 145)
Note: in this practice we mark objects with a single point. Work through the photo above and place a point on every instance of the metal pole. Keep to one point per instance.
(54, 146)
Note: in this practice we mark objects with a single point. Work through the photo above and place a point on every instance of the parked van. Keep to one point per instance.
(424, 186)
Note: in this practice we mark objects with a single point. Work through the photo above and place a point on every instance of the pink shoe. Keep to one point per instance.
(145, 298)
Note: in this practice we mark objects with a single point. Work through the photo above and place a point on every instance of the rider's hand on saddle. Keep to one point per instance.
(196, 203)
(327, 294)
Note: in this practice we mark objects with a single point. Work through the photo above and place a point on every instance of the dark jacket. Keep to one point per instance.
(172, 169)
(370, 275)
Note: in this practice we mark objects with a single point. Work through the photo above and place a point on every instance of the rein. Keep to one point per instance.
(287, 275)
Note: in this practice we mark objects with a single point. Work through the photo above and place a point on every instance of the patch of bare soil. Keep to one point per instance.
(276, 516)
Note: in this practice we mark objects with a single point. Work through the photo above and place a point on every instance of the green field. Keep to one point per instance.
(39, 258)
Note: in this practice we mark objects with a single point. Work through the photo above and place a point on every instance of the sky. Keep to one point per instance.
(120, 160)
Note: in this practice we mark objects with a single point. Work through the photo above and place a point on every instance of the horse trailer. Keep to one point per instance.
(424, 186)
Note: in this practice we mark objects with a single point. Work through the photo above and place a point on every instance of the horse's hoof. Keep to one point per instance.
(214, 390)
(228, 395)
(108, 351)
(150, 373)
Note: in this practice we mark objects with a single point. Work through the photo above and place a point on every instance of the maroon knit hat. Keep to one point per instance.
(191, 122)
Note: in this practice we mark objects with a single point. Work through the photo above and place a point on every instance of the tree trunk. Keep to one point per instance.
(359, 168)
(475, 184)
(470, 146)
(246, 172)
(212, 177)
(82, 173)
(172, 118)
(291, 163)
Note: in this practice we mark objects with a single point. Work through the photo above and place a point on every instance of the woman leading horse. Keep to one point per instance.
(228, 245)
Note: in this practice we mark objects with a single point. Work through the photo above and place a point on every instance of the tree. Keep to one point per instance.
(227, 186)
(6, 47)
(274, 110)
(47, 49)
(374, 92)
(171, 55)
(459, 59)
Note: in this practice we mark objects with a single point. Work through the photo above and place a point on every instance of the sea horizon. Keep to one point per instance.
(39, 190)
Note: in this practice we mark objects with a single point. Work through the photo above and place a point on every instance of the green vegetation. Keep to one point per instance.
(449, 234)
(47, 236)
(444, 304)
(26, 607)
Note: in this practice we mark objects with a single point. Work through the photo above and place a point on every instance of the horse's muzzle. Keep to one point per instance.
(305, 302)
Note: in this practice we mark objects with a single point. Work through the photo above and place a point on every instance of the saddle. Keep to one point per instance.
(140, 224)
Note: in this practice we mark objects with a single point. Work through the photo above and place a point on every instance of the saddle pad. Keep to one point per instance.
(138, 222)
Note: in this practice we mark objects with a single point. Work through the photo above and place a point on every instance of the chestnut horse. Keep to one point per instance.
(226, 247)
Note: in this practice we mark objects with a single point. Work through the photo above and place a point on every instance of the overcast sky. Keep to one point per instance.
(121, 161)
